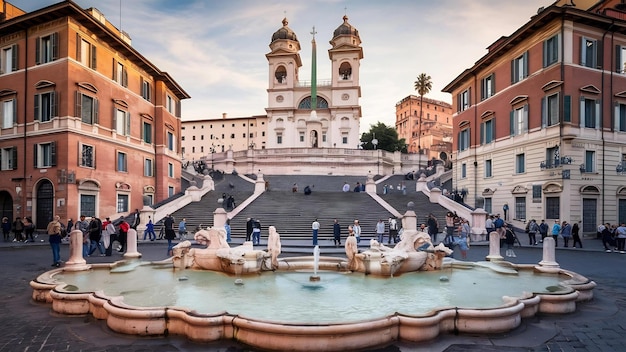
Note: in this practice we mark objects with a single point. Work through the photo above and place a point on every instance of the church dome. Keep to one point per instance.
(345, 29)
(284, 33)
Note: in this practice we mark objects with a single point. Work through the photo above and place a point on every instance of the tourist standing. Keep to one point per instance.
(533, 228)
(149, 231)
(489, 226)
(123, 236)
(227, 228)
(18, 228)
(450, 224)
(256, 232)
(543, 230)
(83, 226)
(380, 230)
(620, 235)
(498, 223)
(607, 237)
(357, 230)
(249, 228)
(346, 187)
(29, 229)
(136, 220)
(95, 237)
(168, 223)
(463, 242)
(315, 226)
(433, 227)
(182, 229)
(337, 230)
(54, 232)
(576, 235)
(566, 232)
(6, 229)
(505, 209)
(556, 229)
(509, 240)
(108, 236)
(393, 230)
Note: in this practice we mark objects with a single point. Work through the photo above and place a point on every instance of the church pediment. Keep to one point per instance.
(519, 190)
(552, 187)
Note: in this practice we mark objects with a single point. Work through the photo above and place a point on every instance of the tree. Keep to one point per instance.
(423, 85)
(387, 138)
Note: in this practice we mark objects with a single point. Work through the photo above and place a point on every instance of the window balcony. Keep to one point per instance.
(556, 162)
(621, 168)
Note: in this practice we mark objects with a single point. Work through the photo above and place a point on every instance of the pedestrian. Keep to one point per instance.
(337, 230)
(380, 230)
(433, 227)
(576, 235)
(18, 228)
(6, 229)
(463, 242)
(168, 224)
(607, 237)
(533, 228)
(109, 235)
(543, 229)
(83, 226)
(566, 232)
(393, 230)
(294, 188)
(620, 236)
(182, 229)
(29, 229)
(509, 240)
(357, 188)
(249, 228)
(149, 231)
(136, 219)
(346, 187)
(450, 223)
(505, 209)
(307, 190)
(489, 225)
(556, 230)
(357, 230)
(54, 238)
(123, 235)
(227, 228)
(315, 226)
(95, 237)
(256, 232)
(498, 224)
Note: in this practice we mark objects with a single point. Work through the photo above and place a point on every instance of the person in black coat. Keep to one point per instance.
(249, 227)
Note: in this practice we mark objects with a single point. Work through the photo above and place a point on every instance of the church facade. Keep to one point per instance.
(314, 114)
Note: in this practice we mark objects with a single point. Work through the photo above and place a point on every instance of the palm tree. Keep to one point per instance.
(423, 85)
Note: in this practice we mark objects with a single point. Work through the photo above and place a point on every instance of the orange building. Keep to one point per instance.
(88, 125)
(436, 129)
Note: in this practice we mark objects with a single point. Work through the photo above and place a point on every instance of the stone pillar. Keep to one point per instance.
(370, 184)
(435, 193)
(494, 247)
(259, 185)
(219, 218)
(131, 245)
(409, 220)
(144, 213)
(549, 255)
(76, 262)
(479, 216)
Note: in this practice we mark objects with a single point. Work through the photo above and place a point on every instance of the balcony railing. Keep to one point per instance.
(621, 168)
(557, 162)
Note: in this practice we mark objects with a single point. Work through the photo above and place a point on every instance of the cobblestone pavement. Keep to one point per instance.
(598, 325)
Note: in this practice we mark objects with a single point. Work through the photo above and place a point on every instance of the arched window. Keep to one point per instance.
(306, 103)
(345, 71)
(281, 74)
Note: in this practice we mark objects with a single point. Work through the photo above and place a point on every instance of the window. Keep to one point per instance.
(519, 120)
(301, 136)
(464, 100)
(589, 112)
(279, 138)
(324, 137)
(519, 68)
(551, 51)
(170, 170)
(463, 170)
(589, 52)
(488, 205)
(553, 210)
(120, 75)
(620, 117)
(85, 52)
(536, 193)
(122, 163)
(550, 110)
(520, 208)
(488, 131)
(87, 108)
(88, 205)
(45, 155)
(146, 90)
(170, 191)
(464, 139)
(487, 86)
(8, 59)
(8, 113)
(46, 106)
(170, 105)
(87, 155)
(147, 132)
(122, 203)
(520, 163)
(47, 48)
(121, 120)
(171, 143)
(620, 63)
(148, 168)
(8, 158)
(590, 161)
(552, 157)
(488, 168)
(344, 138)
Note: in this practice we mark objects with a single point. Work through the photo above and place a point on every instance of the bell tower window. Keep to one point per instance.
(345, 71)
(281, 74)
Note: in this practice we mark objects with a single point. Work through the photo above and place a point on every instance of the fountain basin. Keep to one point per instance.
(138, 311)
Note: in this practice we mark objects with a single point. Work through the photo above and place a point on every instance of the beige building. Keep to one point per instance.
(203, 137)
(436, 126)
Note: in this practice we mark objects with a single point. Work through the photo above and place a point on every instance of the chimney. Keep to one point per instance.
(224, 115)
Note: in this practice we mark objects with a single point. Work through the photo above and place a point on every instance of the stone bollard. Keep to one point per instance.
(131, 245)
(494, 247)
(549, 255)
(76, 262)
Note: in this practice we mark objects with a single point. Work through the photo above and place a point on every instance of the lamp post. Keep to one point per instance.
(375, 144)
(213, 146)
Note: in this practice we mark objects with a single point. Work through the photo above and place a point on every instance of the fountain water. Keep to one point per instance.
(316, 264)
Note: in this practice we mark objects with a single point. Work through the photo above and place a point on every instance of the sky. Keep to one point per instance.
(215, 49)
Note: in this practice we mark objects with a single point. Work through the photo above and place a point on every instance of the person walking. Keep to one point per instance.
(337, 232)
(566, 232)
(576, 235)
(95, 237)
(315, 226)
(18, 228)
(433, 227)
(620, 237)
(6, 229)
(505, 209)
(356, 228)
(123, 236)
(533, 228)
(29, 229)
(543, 230)
(256, 232)
(136, 220)
(393, 230)
(54, 238)
(149, 231)
(556, 229)
(249, 228)
(346, 187)
(108, 236)
(168, 223)
(83, 226)
(182, 229)
(509, 240)
(380, 230)
(607, 237)
(489, 225)
(463, 242)
(227, 228)
(498, 224)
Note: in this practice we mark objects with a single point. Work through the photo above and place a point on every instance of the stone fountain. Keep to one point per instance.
(413, 257)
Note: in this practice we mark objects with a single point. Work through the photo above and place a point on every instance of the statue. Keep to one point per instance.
(273, 246)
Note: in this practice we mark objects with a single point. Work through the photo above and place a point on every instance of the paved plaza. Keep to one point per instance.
(599, 325)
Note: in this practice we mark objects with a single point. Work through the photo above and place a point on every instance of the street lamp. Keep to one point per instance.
(375, 144)
(213, 146)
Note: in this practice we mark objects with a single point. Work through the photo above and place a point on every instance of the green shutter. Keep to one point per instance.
(544, 112)
(512, 122)
(37, 101)
(15, 56)
(482, 133)
(37, 54)
(567, 108)
(94, 55)
(55, 46)
(14, 158)
(53, 154)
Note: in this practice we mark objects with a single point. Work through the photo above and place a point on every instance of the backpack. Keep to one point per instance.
(527, 230)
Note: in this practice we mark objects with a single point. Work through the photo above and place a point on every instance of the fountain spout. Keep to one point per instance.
(316, 263)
